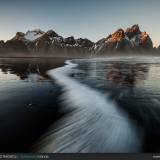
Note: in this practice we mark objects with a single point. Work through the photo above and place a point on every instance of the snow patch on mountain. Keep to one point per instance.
(33, 35)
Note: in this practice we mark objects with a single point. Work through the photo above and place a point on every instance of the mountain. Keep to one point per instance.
(38, 42)
(46, 43)
(131, 39)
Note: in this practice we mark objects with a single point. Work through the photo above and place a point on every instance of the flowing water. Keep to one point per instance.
(111, 105)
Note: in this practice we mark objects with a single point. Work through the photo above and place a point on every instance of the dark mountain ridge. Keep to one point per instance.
(37, 42)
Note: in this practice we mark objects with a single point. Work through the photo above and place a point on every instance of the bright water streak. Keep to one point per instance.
(94, 125)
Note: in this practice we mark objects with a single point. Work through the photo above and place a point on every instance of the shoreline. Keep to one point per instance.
(83, 57)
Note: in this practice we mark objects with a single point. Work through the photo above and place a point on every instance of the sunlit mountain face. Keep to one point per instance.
(93, 20)
(37, 43)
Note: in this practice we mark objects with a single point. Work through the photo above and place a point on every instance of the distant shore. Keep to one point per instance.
(111, 54)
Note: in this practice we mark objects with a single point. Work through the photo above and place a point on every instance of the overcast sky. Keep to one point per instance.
(93, 19)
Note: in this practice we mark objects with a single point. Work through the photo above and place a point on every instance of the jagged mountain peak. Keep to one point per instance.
(36, 40)
(19, 36)
(132, 38)
(36, 31)
(116, 36)
(70, 40)
(32, 35)
(52, 33)
(134, 30)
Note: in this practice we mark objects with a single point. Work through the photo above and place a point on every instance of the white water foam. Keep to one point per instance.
(95, 124)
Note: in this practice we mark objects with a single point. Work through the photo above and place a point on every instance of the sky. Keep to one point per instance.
(92, 19)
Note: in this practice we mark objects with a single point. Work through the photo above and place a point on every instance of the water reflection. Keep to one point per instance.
(29, 68)
(134, 86)
(127, 74)
(113, 89)
(24, 103)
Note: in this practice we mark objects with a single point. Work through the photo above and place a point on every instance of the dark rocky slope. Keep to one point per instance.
(37, 42)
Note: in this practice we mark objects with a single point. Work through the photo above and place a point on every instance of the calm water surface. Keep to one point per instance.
(28, 101)
(134, 85)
